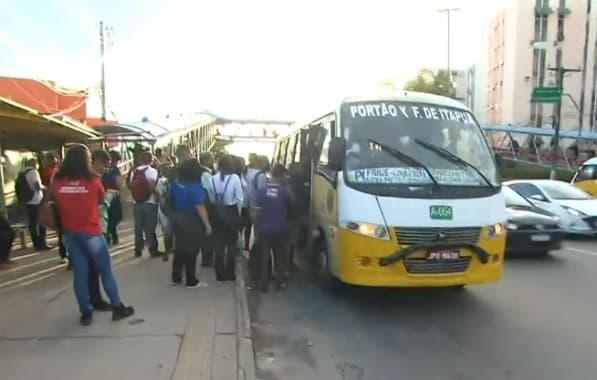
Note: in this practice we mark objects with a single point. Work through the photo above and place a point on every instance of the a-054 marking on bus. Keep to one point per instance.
(441, 212)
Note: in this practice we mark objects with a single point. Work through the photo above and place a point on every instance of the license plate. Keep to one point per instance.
(443, 255)
(540, 238)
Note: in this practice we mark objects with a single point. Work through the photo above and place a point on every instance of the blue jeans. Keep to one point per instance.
(146, 221)
(82, 248)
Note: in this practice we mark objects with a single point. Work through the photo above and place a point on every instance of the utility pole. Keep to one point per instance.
(105, 34)
(448, 11)
(557, 115)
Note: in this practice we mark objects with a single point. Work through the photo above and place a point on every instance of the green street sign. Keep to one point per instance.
(441, 212)
(546, 95)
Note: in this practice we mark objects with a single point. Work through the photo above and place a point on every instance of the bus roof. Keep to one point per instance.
(407, 96)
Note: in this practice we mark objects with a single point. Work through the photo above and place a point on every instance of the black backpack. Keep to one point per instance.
(255, 183)
(23, 191)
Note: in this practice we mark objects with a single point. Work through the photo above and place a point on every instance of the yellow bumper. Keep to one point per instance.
(357, 263)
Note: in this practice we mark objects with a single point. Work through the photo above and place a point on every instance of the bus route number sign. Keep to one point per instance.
(441, 212)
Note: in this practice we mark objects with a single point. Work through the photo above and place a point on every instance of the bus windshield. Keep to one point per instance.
(414, 144)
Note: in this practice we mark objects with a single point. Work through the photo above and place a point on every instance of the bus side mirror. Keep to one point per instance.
(337, 153)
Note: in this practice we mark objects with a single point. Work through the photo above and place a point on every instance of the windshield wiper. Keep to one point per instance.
(406, 159)
(454, 158)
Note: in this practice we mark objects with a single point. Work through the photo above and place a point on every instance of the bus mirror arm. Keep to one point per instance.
(404, 252)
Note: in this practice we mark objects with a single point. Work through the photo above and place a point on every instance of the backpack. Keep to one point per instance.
(262, 172)
(23, 190)
(139, 185)
(225, 216)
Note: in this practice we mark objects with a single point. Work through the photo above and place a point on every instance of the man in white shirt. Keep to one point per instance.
(142, 182)
(38, 233)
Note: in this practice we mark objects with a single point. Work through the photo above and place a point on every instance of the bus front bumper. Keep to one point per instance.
(368, 262)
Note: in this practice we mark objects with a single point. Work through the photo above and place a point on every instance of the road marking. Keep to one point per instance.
(583, 251)
(21, 267)
(17, 258)
(53, 270)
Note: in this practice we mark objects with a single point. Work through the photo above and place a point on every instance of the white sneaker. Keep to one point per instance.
(199, 284)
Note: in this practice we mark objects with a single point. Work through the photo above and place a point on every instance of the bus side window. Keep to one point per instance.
(276, 150)
(290, 156)
(282, 152)
(329, 130)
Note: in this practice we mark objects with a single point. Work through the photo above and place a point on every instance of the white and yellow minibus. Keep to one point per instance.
(404, 192)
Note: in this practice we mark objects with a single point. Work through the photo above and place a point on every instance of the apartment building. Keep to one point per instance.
(525, 40)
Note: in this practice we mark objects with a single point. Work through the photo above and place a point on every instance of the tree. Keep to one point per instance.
(433, 82)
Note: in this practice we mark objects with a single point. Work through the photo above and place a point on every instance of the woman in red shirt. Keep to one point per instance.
(78, 191)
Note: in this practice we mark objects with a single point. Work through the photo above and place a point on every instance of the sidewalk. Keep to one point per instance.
(176, 333)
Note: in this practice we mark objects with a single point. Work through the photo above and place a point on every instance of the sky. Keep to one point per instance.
(238, 58)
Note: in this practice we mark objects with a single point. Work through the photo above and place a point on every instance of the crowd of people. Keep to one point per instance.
(216, 209)
(205, 207)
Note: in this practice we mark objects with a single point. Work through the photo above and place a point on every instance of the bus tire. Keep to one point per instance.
(326, 280)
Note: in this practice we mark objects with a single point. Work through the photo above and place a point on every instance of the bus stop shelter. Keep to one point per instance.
(23, 128)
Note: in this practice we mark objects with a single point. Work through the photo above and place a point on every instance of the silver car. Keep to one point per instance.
(576, 209)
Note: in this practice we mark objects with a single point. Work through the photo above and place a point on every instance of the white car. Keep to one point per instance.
(576, 209)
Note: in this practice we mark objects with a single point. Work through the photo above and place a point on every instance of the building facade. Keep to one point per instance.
(524, 41)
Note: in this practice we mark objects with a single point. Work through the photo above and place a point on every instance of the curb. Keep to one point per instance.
(244, 340)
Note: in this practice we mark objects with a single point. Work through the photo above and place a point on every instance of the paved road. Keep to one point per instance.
(538, 323)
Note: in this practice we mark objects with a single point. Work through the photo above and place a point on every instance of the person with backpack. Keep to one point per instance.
(226, 209)
(273, 203)
(29, 191)
(113, 180)
(191, 221)
(142, 182)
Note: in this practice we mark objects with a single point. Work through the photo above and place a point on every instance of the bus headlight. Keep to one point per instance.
(376, 231)
(496, 230)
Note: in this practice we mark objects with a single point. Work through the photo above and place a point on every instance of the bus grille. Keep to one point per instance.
(411, 236)
(424, 266)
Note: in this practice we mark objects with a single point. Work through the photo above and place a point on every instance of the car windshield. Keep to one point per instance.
(513, 199)
(386, 139)
(564, 190)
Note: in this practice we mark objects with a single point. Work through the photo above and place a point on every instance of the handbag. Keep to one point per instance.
(226, 216)
(48, 215)
(48, 212)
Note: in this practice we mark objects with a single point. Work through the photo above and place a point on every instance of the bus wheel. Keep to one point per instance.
(327, 281)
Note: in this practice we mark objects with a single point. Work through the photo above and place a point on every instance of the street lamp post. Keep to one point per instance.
(448, 11)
